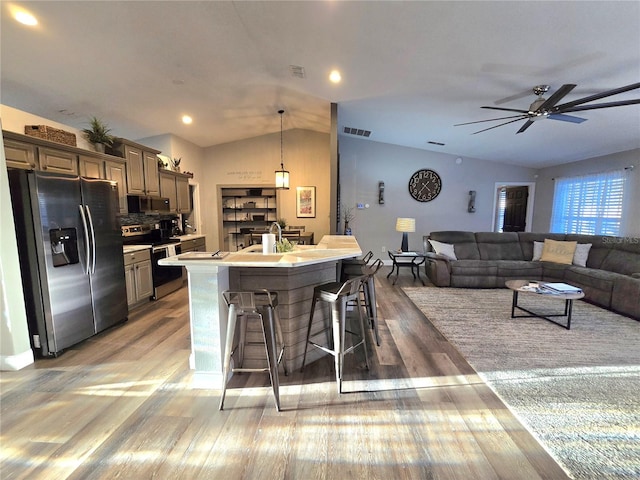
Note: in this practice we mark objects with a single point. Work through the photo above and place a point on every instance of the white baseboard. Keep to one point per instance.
(16, 362)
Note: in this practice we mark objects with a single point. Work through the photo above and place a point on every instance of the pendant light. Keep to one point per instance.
(282, 175)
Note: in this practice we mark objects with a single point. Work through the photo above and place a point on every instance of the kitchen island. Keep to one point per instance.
(292, 274)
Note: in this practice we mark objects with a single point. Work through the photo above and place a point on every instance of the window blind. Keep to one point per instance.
(590, 204)
(502, 206)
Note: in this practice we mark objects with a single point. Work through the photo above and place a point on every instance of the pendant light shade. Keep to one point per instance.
(282, 175)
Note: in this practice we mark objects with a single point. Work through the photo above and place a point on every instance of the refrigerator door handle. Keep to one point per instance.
(86, 238)
(93, 240)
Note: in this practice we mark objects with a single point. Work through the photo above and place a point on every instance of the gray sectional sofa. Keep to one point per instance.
(611, 277)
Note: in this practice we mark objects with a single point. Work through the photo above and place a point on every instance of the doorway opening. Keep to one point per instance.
(513, 206)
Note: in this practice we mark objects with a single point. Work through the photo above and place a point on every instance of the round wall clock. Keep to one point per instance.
(425, 185)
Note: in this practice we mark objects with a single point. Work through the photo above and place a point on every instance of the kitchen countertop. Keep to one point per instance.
(188, 236)
(330, 248)
(134, 248)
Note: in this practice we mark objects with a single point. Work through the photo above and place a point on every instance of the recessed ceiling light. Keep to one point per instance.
(24, 17)
(335, 76)
(187, 120)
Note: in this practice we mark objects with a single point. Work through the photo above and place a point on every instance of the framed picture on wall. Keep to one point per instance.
(306, 202)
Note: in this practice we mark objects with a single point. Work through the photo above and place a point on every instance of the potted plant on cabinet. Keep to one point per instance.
(98, 134)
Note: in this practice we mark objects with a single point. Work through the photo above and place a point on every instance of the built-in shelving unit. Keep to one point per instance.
(244, 209)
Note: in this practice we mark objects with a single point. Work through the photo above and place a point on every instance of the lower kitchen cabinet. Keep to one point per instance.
(193, 245)
(137, 272)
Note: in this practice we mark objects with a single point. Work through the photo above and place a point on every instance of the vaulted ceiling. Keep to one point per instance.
(410, 70)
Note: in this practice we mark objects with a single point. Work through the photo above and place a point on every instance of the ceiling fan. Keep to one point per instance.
(548, 107)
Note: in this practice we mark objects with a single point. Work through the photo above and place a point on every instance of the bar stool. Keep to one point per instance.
(261, 304)
(367, 290)
(338, 295)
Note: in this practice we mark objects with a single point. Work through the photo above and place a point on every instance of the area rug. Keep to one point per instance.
(577, 391)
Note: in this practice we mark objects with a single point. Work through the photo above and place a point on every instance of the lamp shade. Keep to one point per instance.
(282, 179)
(405, 224)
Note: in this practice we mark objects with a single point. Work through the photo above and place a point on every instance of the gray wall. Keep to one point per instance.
(364, 163)
(545, 188)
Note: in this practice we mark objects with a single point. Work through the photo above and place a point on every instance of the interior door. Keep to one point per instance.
(515, 213)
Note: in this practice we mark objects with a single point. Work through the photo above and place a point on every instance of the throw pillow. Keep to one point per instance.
(558, 252)
(582, 252)
(537, 251)
(444, 249)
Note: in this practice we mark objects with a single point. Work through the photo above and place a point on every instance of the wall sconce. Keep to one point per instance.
(405, 225)
(381, 192)
(471, 208)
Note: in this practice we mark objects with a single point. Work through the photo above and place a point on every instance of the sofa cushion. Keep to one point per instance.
(558, 252)
(473, 274)
(538, 247)
(499, 246)
(474, 267)
(600, 247)
(465, 243)
(625, 297)
(553, 272)
(623, 257)
(527, 238)
(444, 249)
(588, 277)
(581, 254)
(523, 269)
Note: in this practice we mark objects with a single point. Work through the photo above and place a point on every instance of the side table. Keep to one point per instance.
(411, 260)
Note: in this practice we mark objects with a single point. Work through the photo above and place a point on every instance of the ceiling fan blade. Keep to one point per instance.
(526, 125)
(582, 108)
(557, 96)
(496, 126)
(566, 118)
(506, 109)
(511, 98)
(490, 120)
(597, 96)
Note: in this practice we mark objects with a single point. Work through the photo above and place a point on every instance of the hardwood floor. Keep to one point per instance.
(121, 405)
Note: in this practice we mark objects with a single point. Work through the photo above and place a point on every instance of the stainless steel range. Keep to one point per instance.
(165, 279)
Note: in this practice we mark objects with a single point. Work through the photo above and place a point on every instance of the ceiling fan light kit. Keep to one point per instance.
(543, 108)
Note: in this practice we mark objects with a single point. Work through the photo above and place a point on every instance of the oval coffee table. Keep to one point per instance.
(529, 287)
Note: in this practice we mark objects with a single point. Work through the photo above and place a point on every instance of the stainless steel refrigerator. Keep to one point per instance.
(70, 247)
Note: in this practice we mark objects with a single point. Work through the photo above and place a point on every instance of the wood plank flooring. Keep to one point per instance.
(121, 405)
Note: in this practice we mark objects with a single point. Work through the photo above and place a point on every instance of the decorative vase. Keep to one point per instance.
(99, 147)
(347, 228)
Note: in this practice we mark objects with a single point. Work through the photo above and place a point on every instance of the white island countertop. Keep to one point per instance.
(330, 248)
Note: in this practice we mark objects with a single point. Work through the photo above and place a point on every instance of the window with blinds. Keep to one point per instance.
(589, 204)
(502, 206)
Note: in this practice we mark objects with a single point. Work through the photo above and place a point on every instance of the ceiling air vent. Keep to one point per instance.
(297, 71)
(357, 131)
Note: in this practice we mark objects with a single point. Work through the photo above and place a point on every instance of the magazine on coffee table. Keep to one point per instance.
(561, 287)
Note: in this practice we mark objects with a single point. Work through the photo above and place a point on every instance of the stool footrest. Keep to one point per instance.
(250, 370)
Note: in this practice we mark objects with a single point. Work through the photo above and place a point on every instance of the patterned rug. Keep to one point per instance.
(577, 391)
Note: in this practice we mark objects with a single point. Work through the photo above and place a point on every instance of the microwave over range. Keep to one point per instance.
(147, 204)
